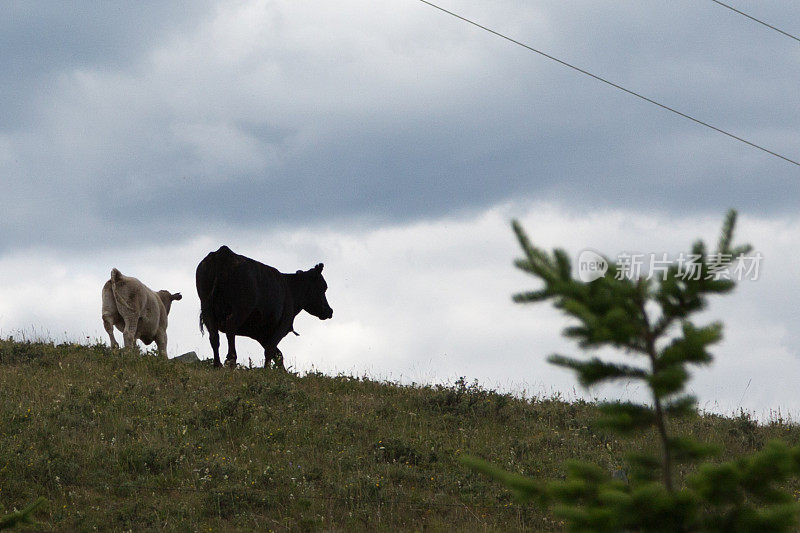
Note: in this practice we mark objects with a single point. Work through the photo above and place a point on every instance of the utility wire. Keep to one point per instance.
(616, 86)
(770, 26)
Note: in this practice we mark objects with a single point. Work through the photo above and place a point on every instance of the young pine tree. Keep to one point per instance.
(649, 319)
(24, 516)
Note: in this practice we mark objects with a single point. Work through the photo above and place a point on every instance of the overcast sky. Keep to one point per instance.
(395, 143)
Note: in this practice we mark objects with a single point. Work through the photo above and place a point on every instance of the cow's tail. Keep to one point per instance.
(206, 311)
(207, 303)
(206, 307)
(116, 277)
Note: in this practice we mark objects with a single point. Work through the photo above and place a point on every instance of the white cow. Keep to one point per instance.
(137, 311)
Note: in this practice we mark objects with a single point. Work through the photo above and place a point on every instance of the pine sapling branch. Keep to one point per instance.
(660, 417)
(742, 495)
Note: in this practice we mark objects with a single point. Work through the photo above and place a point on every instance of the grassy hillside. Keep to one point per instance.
(123, 442)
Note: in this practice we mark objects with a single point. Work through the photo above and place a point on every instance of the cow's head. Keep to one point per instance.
(167, 298)
(315, 302)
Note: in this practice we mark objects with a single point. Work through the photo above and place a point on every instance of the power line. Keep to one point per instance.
(770, 26)
(616, 86)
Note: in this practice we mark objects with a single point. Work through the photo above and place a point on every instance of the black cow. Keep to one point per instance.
(240, 296)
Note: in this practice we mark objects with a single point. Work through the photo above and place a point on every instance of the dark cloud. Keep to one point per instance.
(43, 40)
(131, 123)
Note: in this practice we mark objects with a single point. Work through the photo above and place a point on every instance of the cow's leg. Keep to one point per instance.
(129, 333)
(268, 355)
(213, 338)
(273, 354)
(109, 313)
(277, 357)
(230, 360)
(161, 343)
(271, 351)
(108, 324)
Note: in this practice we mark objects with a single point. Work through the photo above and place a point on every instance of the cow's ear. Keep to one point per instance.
(177, 296)
(319, 267)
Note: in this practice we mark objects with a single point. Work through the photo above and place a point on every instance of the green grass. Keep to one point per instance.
(117, 441)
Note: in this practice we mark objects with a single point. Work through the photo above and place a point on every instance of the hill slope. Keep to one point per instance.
(119, 442)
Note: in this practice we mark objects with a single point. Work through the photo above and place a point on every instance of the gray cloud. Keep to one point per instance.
(42, 41)
(131, 123)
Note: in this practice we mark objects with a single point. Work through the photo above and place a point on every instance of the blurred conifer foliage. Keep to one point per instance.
(649, 319)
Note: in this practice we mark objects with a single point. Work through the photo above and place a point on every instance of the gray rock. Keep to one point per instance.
(620, 475)
(188, 357)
